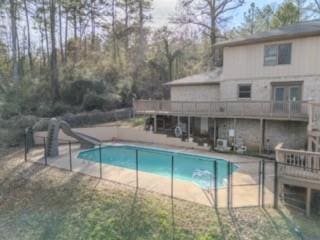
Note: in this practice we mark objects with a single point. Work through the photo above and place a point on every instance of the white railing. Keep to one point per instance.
(289, 110)
(314, 116)
(296, 163)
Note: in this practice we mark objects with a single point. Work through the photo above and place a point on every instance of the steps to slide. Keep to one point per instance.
(54, 127)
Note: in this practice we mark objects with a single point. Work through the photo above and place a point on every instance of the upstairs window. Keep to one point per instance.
(278, 54)
(244, 91)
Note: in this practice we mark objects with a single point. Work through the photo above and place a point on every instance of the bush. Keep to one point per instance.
(12, 130)
(9, 110)
(59, 108)
(75, 92)
(93, 101)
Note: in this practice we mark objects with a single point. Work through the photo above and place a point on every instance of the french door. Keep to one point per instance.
(287, 98)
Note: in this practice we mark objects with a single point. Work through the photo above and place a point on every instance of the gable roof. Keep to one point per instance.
(298, 30)
(206, 78)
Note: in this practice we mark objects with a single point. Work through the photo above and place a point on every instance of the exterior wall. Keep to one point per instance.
(247, 61)
(261, 88)
(195, 93)
(292, 134)
(246, 129)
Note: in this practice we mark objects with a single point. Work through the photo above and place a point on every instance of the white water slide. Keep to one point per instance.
(53, 137)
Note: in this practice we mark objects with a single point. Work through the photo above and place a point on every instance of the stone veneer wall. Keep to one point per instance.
(292, 134)
(195, 93)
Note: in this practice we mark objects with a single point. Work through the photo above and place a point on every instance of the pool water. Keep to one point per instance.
(188, 167)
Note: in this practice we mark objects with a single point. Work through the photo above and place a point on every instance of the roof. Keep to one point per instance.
(207, 78)
(298, 30)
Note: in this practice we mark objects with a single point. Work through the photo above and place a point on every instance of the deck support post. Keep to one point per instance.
(235, 134)
(214, 132)
(155, 123)
(189, 127)
(262, 130)
(308, 202)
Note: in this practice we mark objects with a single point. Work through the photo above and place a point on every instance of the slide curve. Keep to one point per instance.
(53, 137)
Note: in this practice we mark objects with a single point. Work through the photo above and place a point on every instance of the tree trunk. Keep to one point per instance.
(93, 26)
(45, 28)
(114, 47)
(66, 38)
(213, 37)
(42, 46)
(28, 33)
(126, 23)
(60, 33)
(14, 35)
(141, 33)
(54, 74)
(75, 34)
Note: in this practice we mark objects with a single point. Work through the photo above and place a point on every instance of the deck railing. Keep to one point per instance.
(287, 110)
(296, 163)
(314, 115)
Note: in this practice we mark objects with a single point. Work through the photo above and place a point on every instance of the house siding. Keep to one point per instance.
(261, 88)
(248, 61)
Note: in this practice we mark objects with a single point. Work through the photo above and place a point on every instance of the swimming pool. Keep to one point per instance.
(198, 169)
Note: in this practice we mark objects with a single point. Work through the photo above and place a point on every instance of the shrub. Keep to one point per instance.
(93, 101)
(10, 109)
(44, 110)
(59, 108)
(75, 92)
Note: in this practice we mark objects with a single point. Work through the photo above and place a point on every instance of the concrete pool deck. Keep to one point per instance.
(246, 190)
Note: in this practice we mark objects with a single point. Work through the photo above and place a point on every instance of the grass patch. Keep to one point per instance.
(46, 203)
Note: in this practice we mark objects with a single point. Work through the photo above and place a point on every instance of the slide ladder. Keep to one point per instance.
(52, 145)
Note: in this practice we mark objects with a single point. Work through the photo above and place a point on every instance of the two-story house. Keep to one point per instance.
(258, 97)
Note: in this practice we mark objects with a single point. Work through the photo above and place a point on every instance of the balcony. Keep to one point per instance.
(297, 110)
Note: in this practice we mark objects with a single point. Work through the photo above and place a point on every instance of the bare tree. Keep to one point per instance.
(208, 15)
(28, 33)
(60, 31)
(54, 72)
(14, 40)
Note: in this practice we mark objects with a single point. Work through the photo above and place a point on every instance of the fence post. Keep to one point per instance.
(70, 156)
(172, 171)
(45, 152)
(228, 186)
(263, 181)
(25, 147)
(100, 160)
(137, 169)
(231, 184)
(259, 184)
(276, 186)
(215, 184)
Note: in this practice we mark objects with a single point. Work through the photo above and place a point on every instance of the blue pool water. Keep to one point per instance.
(189, 167)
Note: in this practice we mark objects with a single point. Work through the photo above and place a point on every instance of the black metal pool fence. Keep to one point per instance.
(256, 181)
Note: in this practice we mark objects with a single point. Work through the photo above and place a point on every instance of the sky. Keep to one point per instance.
(163, 9)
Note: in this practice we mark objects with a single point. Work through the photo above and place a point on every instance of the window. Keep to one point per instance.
(277, 54)
(244, 91)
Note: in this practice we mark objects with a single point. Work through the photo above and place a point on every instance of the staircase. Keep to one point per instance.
(51, 142)
(314, 127)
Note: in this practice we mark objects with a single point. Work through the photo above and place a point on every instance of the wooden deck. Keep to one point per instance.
(304, 165)
(295, 111)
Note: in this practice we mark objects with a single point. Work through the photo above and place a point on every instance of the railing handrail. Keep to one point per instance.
(252, 108)
(281, 149)
(219, 101)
